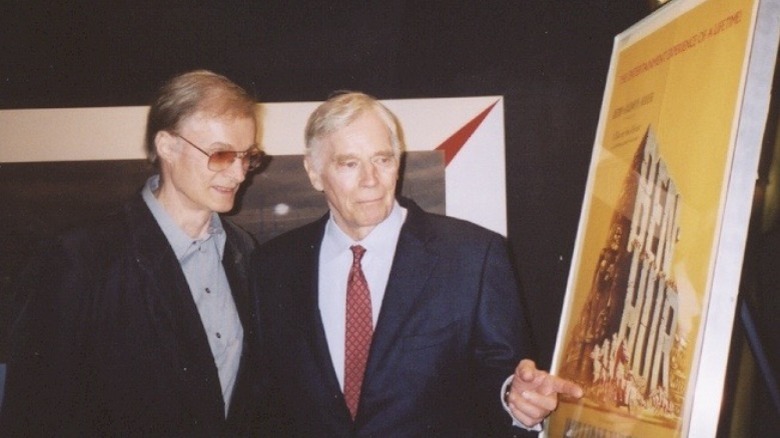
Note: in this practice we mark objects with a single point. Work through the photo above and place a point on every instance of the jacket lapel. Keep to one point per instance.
(306, 316)
(412, 266)
(314, 330)
(182, 344)
(235, 261)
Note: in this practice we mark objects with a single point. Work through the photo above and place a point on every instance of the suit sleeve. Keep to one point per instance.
(503, 336)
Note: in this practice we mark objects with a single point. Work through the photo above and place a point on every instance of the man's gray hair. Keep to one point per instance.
(339, 111)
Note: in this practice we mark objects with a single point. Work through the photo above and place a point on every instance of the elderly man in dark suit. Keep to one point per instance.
(139, 325)
(383, 320)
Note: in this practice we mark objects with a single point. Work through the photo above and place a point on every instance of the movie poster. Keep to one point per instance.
(641, 276)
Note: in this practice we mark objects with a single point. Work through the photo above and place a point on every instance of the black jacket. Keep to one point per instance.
(451, 329)
(109, 341)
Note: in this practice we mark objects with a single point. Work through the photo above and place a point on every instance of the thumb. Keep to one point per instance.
(526, 370)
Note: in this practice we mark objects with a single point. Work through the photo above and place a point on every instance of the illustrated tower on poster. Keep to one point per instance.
(625, 341)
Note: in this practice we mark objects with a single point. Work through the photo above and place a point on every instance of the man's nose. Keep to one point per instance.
(237, 170)
(369, 176)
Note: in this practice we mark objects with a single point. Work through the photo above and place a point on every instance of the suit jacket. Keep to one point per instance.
(450, 331)
(109, 340)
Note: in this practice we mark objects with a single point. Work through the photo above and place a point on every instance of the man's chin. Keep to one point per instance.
(374, 219)
(222, 207)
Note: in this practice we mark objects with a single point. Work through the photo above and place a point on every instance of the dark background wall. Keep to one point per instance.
(549, 60)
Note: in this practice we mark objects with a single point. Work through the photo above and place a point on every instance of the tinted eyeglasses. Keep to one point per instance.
(223, 157)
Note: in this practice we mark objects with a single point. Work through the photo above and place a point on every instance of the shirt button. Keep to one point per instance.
(219, 335)
(208, 291)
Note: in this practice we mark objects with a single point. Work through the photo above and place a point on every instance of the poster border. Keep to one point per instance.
(718, 323)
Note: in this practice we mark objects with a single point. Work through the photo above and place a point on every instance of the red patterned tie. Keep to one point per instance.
(359, 330)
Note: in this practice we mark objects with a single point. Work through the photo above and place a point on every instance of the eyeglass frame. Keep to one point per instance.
(236, 155)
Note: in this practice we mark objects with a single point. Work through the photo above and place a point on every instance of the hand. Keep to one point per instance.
(533, 394)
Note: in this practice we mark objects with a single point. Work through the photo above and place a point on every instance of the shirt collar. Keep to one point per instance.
(381, 240)
(179, 240)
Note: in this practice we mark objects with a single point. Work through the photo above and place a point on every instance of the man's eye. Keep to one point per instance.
(348, 164)
(383, 160)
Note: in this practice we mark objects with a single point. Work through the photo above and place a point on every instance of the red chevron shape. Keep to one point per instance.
(454, 144)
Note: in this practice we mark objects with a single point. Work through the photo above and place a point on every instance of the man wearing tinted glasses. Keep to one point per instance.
(138, 325)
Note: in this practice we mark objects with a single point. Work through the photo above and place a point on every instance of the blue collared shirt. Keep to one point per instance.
(201, 262)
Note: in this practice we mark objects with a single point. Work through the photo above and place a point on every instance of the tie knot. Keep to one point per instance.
(357, 253)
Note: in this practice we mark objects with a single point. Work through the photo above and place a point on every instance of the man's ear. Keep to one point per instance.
(314, 176)
(165, 144)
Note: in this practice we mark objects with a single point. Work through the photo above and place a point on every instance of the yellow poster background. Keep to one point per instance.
(682, 80)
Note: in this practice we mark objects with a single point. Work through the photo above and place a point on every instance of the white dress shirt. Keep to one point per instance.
(335, 263)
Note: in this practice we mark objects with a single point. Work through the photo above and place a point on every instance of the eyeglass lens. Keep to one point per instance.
(223, 157)
(221, 160)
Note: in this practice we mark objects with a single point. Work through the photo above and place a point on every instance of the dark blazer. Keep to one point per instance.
(109, 340)
(450, 331)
